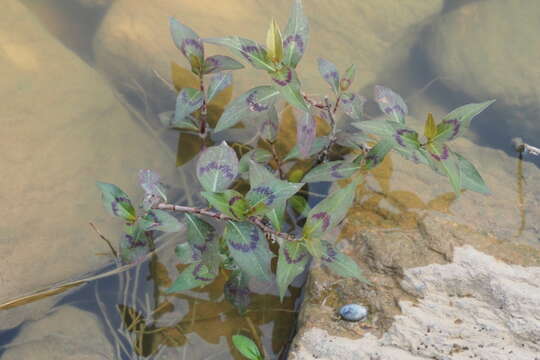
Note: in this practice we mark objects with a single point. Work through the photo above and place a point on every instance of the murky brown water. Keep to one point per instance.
(388, 44)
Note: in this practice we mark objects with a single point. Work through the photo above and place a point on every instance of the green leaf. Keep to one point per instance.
(340, 264)
(318, 144)
(330, 211)
(378, 127)
(353, 140)
(217, 167)
(331, 171)
(376, 154)
(260, 156)
(194, 276)
(237, 292)
(266, 190)
(248, 105)
(457, 121)
(300, 205)
(246, 347)
(187, 101)
(470, 178)
(189, 43)
(305, 133)
(442, 158)
(274, 42)
(295, 36)
(330, 74)
(293, 258)
(186, 254)
(391, 104)
(353, 105)
(430, 129)
(160, 220)
(286, 82)
(154, 192)
(217, 63)
(168, 119)
(134, 244)
(249, 249)
(199, 232)
(230, 203)
(253, 52)
(218, 83)
(116, 201)
(276, 215)
(347, 79)
(401, 136)
(269, 125)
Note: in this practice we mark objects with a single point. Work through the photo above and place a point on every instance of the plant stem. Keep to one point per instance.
(204, 110)
(255, 220)
(276, 158)
(324, 154)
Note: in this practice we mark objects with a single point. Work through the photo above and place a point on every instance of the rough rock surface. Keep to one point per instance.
(475, 307)
(488, 49)
(63, 129)
(67, 333)
(134, 38)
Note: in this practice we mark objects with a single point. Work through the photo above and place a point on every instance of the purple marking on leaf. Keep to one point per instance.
(330, 254)
(347, 98)
(331, 76)
(196, 275)
(334, 171)
(443, 156)
(324, 217)
(195, 102)
(252, 245)
(290, 260)
(395, 108)
(248, 51)
(231, 203)
(269, 123)
(265, 191)
(132, 242)
(297, 39)
(194, 43)
(212, 63)
(455, 124)
(399, 135)
(201, 248)
(372, 157)
(254, 105)
(225, 169)
(286, 81)
(114, 204)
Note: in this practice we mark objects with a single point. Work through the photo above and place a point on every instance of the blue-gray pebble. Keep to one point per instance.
(353, 312)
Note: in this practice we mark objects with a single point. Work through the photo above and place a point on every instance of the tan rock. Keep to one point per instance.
(134, 38)
(63, 129)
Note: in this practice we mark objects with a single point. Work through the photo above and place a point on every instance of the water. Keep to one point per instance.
(199, 324)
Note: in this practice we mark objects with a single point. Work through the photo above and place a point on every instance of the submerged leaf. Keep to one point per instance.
(218, 63)
(246, 347)
(331, 171)
(305, 134)
(189, 43)
(252, 103)
(330, 74)
(217, 168)
(249, 249)
(292, 260)
(237, 292)
(253, 52)
(218, 83)
(296, 35)
(116, 201)
(391, 103)
(194, 276)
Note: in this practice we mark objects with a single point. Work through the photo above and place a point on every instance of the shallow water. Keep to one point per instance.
(199, 324)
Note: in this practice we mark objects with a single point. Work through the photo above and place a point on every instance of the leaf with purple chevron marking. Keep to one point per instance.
(186, 254)
(189, 43)
(249, 249)
(353, 105)
(376, 154)
(347, 79)
(237, 292)
(318, 144)
(250, 104)
(250, 50)
(292, 260)
(391, 103)
(276, 215)
(269, 124)
(168, 120)
(339, 263)
(217, 167)
(135, 243)
(217, 63)
(442, 158)
(295, 36)
(161, 221)
(218, 82)
(116, 201)
(193, 276)
(401, 135)
(305, 133)
(458, 120)
(330, 211)
(330, 74)
(204, 244)
(229, 202)
(286, 82)
(187, 101)
(331, 171)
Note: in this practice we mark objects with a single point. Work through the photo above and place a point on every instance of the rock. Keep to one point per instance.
(67, 333)
(63, 129)
(475, 307)
(487, 50)
(134, 38)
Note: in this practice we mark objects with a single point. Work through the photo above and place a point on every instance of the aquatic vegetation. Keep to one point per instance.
(240, 231)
